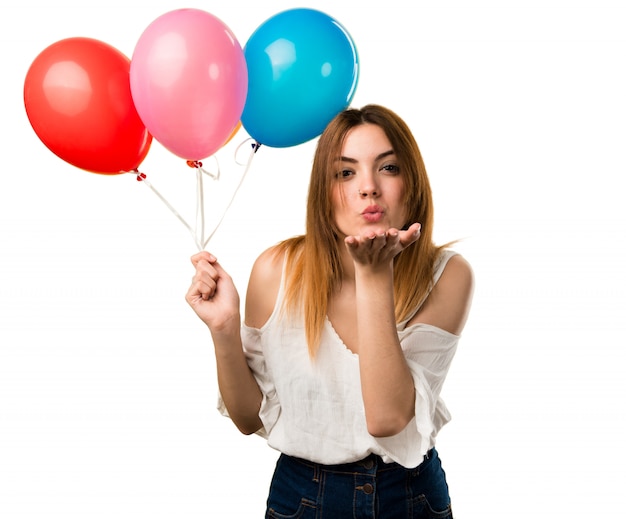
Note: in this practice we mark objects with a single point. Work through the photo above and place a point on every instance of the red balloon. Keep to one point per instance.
(78, 101)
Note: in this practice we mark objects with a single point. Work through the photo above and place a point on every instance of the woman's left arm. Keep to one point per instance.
(387, 384)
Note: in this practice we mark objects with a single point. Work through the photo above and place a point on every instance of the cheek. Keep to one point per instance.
(401, 201)
(338, 198)
(339, 201)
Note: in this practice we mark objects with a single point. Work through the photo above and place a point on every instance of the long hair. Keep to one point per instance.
(314, 270)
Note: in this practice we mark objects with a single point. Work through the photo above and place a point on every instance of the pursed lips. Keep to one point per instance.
(373, 213)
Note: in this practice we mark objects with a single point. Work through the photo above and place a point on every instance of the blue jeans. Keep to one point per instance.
(365, 489)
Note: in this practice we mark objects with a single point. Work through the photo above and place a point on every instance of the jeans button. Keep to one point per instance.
(368, 488)
(368, 463)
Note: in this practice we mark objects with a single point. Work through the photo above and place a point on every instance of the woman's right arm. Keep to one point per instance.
(214, 298)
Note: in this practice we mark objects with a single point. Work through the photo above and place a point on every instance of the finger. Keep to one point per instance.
(204, 286)
(219, 270)
(199, 291)
(360, 243)
(379, 241)
(351, 242)
(393, 238)
(205, 278)
(411, 235)
(205, 270)
(202, 256)
(216, 275)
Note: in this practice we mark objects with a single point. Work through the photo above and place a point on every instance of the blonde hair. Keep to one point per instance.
(314, 269)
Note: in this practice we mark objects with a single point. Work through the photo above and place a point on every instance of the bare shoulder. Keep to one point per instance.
(449, 302)
(263, 287)
(458, 275)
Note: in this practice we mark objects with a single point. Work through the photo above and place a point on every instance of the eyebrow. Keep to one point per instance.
(378, 157)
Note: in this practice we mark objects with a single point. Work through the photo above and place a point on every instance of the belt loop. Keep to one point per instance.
(316, 472)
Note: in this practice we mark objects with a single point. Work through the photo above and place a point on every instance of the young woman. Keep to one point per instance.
(349, 333)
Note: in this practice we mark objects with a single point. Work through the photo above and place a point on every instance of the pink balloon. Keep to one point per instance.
(189, 81)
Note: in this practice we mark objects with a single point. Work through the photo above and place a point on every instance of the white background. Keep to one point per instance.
(107, 382)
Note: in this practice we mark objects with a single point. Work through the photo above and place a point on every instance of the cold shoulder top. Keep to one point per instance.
(313, 408)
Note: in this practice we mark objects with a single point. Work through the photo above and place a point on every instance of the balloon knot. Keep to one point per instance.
(194, 163)
(256, 146)
(140, 176)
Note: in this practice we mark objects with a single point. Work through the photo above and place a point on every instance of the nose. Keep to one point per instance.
(365, 193)
(368, 187)
(368, 184)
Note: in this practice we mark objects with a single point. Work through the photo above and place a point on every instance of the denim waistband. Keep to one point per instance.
(370, 464)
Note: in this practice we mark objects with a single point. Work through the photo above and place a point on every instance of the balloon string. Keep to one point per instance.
(198, 165)
(200, 215)
(142, 178)
(255, 147)
(198, 233)
(199, 207)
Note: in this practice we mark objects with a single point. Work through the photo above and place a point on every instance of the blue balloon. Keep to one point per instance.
(303, 69)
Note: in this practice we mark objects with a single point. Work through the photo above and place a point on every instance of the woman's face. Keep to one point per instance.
(367, 188)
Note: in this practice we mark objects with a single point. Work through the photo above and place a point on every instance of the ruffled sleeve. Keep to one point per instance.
(429, 352)
(270, 406)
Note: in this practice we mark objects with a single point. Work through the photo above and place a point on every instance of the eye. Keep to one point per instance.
(390, 169)
(344, 174)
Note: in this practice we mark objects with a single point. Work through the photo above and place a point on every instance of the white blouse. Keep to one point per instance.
(313, 409)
